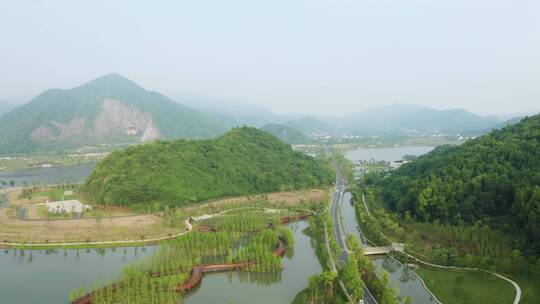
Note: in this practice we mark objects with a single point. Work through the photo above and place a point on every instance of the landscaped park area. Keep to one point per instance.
(29, 218)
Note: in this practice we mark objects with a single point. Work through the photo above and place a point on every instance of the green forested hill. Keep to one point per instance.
(494, 179)
(242, 161)
(103, 110)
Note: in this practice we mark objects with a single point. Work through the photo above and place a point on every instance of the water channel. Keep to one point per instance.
(402, 278)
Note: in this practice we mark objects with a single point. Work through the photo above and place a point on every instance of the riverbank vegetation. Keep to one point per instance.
(356, 273)
(475, 205)
(245, 242)
(182, 172)
(492, 180)
(438, 245)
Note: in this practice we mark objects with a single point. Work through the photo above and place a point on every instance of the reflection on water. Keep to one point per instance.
(248, 287)
(405, 280)
(48, 276)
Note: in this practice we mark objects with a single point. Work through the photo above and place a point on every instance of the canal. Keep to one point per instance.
(403, 279)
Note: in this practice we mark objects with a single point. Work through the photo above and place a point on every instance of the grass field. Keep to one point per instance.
(463, 286)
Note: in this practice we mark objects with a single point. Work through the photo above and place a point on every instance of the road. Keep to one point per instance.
(334, 209)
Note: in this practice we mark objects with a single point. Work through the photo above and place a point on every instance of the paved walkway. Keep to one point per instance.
(516, 286)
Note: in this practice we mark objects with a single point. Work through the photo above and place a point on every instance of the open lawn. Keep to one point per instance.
(464, 286)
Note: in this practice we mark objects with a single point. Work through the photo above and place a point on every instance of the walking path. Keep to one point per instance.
(516, 286)
(189, 227)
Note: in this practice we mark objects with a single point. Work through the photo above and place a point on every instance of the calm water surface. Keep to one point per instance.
(39, 276)
(75, 174)
(243, 288)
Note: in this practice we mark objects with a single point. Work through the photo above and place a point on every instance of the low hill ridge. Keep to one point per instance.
(494, 179)
(242, 161)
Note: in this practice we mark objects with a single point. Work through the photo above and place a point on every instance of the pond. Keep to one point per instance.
(243, 287)
(74, 174)
(386, 154)
(39, 276)
(48, 277)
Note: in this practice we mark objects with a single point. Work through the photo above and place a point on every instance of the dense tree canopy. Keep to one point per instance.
(494, 179)
(242, 161)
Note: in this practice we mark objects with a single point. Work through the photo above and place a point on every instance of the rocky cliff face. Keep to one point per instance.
(75, 127)
(42, 134)
(115, 119)
(151, 132)
(118, 119)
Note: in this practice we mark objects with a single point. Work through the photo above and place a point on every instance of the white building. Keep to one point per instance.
(398, 163)
(69, 206)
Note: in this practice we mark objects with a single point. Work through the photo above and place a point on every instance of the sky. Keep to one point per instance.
(291, 56)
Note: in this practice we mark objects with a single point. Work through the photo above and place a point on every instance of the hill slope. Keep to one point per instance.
(105, 109)
(242, 161)
(403, 116)
(286, 134)
(494, 178)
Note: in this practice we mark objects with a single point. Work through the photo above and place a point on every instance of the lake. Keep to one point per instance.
(74, 174)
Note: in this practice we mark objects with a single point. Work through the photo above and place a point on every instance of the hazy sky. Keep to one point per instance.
(317, 56)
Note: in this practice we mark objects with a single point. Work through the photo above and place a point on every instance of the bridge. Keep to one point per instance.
(368, 250)
(376, 250)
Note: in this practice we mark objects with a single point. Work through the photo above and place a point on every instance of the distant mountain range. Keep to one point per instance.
(420, 118)
(395, 117)
(240, 112)
(113, 109)
(107, 109)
